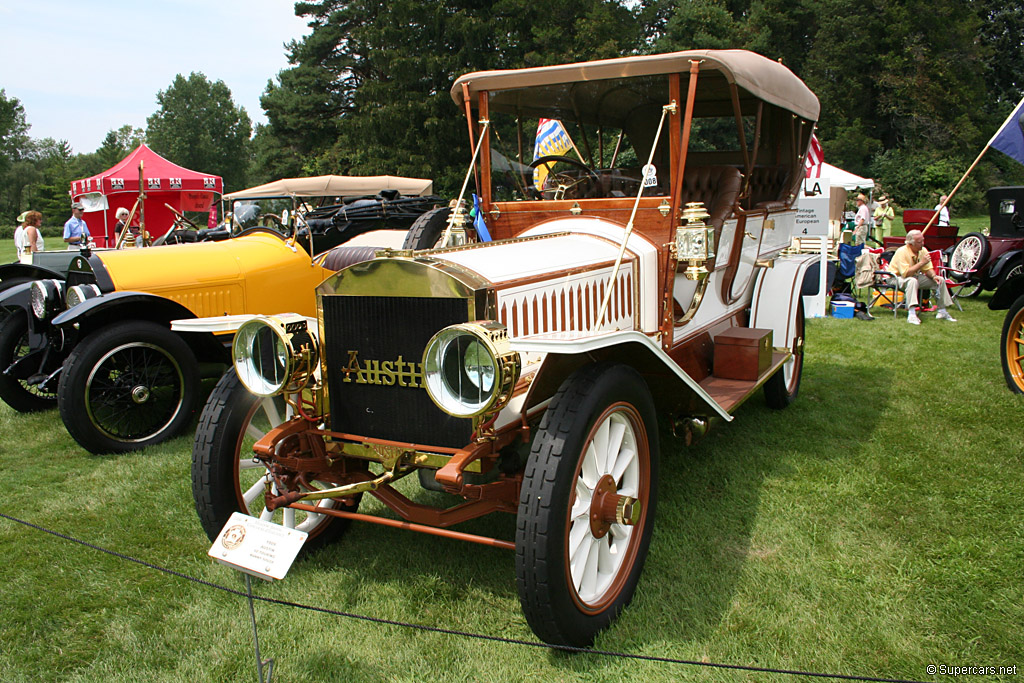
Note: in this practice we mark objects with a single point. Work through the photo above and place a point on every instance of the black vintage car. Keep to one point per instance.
(999, 256)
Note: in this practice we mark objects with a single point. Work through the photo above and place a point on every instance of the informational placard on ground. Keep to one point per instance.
(259, 548)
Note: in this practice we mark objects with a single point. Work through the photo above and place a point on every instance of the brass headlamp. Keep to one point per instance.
(470, 368)
(275, 354)
(695, 241)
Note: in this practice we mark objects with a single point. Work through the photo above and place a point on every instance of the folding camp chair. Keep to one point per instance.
(847, 267)
(884, 291)
(953, 286)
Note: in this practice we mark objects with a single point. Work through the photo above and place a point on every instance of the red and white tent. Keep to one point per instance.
(164, 183)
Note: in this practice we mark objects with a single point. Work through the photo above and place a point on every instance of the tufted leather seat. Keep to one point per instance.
(767, 185)
(342, 257)
(718, 187)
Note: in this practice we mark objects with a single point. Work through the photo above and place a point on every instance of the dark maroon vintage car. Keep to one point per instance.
(987, 261)
(941, 237)
(999, 256)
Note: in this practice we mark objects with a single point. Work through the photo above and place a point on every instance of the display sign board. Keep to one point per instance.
(812, 209)
(256, 547)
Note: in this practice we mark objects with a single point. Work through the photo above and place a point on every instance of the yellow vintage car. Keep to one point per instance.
(97, 341)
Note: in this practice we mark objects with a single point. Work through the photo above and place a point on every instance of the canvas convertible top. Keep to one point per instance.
(336, 186)
(755, 76)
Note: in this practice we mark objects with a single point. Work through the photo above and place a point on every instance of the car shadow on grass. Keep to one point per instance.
(711, 495)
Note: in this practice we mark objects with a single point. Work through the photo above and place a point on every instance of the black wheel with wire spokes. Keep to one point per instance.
(15, 345)
(127, 386)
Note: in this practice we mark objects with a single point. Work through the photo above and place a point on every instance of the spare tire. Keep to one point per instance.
(427, 229)
(970, 253)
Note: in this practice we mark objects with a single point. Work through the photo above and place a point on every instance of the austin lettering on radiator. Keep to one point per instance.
(387, 373)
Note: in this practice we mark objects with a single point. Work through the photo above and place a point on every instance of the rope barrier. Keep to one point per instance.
(456, 632)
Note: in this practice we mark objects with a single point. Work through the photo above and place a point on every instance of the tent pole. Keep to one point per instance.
(142, 206)
(952, 192)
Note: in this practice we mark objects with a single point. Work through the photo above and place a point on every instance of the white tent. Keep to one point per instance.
(848, 181)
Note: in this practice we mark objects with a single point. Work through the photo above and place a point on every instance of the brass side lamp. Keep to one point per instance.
(456, 231)
(695, 241)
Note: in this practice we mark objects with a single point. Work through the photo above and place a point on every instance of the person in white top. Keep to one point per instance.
(27, 237)
(862, 221)
(33, 239)
(943, 209)
(19, 233)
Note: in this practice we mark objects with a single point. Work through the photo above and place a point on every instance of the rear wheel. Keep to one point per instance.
(581, 540)
(127, 386)
(1016, 268)
(782, 388)
(14, 345)
(226, 478)
(1012, 347)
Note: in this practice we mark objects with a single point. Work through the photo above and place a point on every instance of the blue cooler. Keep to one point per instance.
(842, 309)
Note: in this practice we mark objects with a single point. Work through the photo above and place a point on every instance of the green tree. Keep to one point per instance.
(118, 143)
(198, 126)
(14, 142)
(698, 24)
(1002, 25)
(369, 89)
(56, 168)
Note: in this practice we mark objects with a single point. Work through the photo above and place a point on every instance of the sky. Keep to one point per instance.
(81, 69)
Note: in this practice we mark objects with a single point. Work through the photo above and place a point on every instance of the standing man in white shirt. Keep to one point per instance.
(943, 210)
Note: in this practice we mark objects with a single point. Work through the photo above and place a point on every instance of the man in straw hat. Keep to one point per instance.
(862, 222)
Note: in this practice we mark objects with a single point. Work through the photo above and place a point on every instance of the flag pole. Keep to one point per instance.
(998, 132)
(943, 204)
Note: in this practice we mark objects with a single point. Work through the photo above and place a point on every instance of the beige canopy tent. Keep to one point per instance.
(336, 186)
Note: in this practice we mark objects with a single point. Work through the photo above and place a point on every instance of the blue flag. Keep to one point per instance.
(478, 221)
(1009, 139)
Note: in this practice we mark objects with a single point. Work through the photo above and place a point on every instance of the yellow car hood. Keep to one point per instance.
(255, 273)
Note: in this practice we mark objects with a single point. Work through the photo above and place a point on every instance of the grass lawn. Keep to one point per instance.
(874, 527)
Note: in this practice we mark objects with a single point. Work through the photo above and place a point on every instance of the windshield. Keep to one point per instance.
(268, 213)
(578, 140)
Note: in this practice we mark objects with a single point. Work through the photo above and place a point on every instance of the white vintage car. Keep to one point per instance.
(625, 263)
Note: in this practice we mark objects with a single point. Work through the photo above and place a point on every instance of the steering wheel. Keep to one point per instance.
(565, 182)
(272, 220)
(179, 216)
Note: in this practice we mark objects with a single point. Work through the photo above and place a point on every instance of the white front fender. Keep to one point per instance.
(777, 297)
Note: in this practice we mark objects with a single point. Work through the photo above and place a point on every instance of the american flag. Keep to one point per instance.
(815, 158)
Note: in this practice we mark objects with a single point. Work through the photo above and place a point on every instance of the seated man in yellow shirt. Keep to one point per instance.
(913, 268)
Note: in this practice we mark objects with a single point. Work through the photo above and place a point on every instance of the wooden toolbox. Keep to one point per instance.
(742, 353)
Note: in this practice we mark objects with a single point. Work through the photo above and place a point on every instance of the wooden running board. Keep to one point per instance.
(731, 393)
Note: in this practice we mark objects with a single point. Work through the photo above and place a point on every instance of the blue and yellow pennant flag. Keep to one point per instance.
(552, 138)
